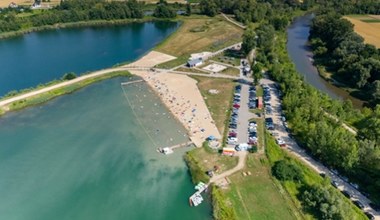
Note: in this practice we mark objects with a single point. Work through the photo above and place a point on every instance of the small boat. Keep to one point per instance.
(165, 150)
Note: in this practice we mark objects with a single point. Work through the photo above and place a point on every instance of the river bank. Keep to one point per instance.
(301, 55)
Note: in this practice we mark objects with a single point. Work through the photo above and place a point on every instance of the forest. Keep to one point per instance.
(343, 52)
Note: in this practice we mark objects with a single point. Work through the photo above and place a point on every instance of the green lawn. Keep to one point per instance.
(257, 196)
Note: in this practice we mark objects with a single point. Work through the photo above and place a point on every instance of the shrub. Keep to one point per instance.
(285, 170)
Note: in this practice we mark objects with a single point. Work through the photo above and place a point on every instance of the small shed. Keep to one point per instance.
(260, 102)
(230, 151)
(194, 62)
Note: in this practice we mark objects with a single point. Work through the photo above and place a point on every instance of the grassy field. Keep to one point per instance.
(367, 26)
(257, 196)
(198, 34)
(207, 159)
(218, 104)
(231, 71)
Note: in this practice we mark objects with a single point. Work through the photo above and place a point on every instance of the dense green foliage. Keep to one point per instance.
(286, 170)
(315, 194)
(69, 76)
(343, 52)
(221, 209)
(163, 10)
(73, 11)
(249, 40)
(197, 174)
(324, 202)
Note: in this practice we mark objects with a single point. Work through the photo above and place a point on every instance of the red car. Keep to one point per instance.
(236, 106)
(232, 134)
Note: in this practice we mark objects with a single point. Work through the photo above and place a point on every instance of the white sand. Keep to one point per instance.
(151, 59)
(181, 94)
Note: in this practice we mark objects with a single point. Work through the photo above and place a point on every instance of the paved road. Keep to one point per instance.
(301, 154)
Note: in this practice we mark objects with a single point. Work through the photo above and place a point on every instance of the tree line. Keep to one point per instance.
(344, 53)
(72, 11)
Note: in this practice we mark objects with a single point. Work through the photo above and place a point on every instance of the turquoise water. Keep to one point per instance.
(92, 155)
(40, 57)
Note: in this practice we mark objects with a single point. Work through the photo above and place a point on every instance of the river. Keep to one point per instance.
(92, 154)
(301, 55)
(40, 57)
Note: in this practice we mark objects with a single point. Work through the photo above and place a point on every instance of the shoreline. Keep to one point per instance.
(81, 24)
(42, 95)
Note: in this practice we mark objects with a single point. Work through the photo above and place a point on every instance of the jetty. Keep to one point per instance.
(170, 150)
(130, 82)
(197, 198)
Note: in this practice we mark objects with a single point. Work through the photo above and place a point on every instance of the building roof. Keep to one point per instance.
(194, 62)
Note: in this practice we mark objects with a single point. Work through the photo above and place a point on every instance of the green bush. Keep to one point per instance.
(221, 209)
(197, 174)
(286, 170)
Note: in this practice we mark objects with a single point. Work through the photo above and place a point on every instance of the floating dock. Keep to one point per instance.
(197, 198)
(169, 150)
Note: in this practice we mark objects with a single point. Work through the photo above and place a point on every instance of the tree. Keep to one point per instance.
(285, 170)
(163, 10)
(69, 76)
(188, 9)
(375, 91)
(249, 40)
(208, 7)
(257, 72)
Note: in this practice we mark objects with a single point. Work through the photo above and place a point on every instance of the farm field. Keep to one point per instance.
(367, 26)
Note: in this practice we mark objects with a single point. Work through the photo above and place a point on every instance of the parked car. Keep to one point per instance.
(347, 194)
(369, 215)
(233, 126)
(335, 184)
(358, 204)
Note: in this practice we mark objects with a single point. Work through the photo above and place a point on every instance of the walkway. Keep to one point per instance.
(242, 158)
(233, 22)
(57, 86)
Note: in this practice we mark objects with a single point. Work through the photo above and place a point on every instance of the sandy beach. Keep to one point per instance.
(181, 95)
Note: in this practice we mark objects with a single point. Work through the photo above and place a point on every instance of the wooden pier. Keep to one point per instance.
(196, 198)
(130, 82)
(185, 144)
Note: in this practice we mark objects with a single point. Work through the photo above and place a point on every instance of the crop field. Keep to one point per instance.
(367, 26)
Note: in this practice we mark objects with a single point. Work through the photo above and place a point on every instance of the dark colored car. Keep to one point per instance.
(334, 183)
(346, 194)
(358, 204)
(233, 126)
(369, 215)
